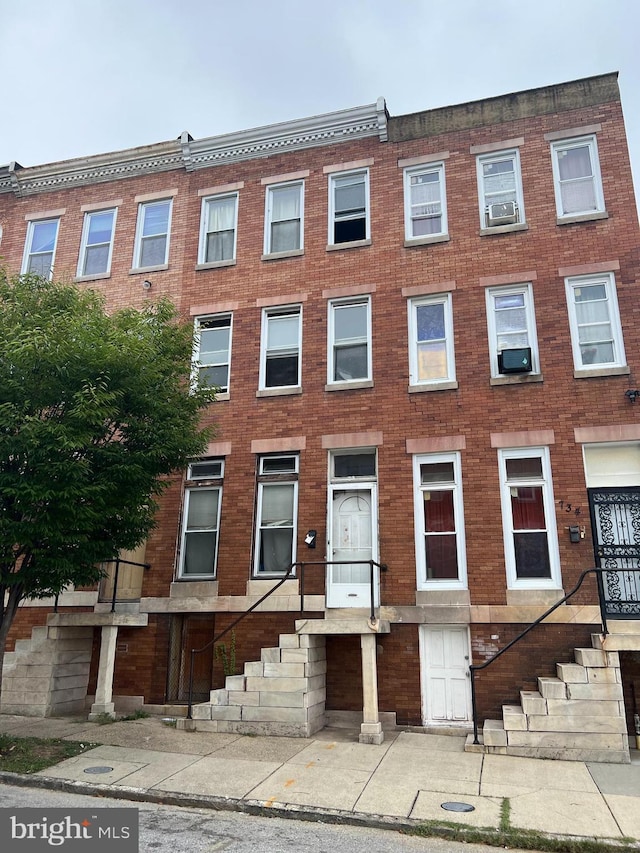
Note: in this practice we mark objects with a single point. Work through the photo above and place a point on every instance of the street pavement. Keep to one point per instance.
(407, 780)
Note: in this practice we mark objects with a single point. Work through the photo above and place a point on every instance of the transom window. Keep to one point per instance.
(281, 344)
(440, 547)
(212, 351)
(152, 235)
(576, 173)
(596, 334)
(218, 228)
(354, 465)
(431, 357)
(348, 207)
(40, 247)
(512, 330)
(425, 201)
(276, 515)
(349, 340)
(283, 218)
(500, 189)
(201, 519)
(97, 243)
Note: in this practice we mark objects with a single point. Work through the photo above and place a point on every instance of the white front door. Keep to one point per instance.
(446, 692)
(349, 584)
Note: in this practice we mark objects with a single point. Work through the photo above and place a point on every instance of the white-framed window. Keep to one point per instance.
(528, 518)
(349, 324)
(201, 519)
(40, 247)
(576, 177)
(513, 345)
(349, 207)
(439, 521)
(152, 234)
(500, 189)
(276, 515)
(284, 217)
(212, 351)
(280, 362)
(594, 318)
(425, 202)
(431, 357)
(96, 246)
(218, 228)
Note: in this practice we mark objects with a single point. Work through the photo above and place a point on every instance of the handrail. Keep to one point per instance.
(371, 563)
(473, 668)
(118, 563)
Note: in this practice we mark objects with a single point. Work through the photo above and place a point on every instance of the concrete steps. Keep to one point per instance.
(579, 715)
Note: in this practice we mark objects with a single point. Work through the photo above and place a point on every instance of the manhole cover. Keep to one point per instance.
(458, 807)
(97, 770)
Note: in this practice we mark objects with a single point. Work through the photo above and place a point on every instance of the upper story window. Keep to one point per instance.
(576, 177)
(201, 519)
(513, 347)
(152, 234)
(528, 517)
(40, 247)
(97, 243)
(281, 345)
(500, 189)
(349, 358)
(284, 218)
(218, 229)
(431, 357)
(276, 514)
(349, 207)
(425, 207)
(212, 351)
(439, 525)
(596, 334)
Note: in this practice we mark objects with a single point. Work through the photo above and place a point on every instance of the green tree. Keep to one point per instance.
(96, 410)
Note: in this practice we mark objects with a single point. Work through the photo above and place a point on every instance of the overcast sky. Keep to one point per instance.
(86, 76)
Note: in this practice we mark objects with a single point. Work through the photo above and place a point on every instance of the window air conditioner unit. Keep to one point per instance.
(515, 360)
(502, 213)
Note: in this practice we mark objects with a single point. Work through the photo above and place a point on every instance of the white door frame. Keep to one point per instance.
(351, 487)
(427, 717)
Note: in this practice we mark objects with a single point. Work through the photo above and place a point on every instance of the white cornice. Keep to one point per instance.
(189, 154)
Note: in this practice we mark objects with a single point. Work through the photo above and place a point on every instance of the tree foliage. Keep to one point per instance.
(95, 411)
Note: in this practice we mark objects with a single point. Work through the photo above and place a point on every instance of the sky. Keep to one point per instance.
(83, 77)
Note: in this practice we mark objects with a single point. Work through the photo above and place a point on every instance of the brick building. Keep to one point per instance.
(425, 335)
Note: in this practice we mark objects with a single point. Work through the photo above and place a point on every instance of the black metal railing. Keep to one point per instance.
(118, 562)
(303, 566)
(609, 609)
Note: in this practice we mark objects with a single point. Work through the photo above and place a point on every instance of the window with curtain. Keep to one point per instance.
(97, 243)
(595, 323)
(499, 183)
(511, 323)
(283, 232)
(152, 244)
(431, 335)
(212, 351)
(349, 203)
(577, 181)
(40, 247)
(276, 515)
(201, 521)
(218, 229)
(425, 205)
(281, 338)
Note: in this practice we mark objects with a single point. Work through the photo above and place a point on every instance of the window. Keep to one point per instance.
(212, 351)
(512, 330)
(283, 218)
(431, 335)
(276, 515)
(40, 248)
(440, 546)
(500, 189)
(97, 243)
(348, 207)
(596, 335)
(425, 212)
(349, 340)
(280, 351)
(576, 176)
(152, 235)
(218, 228)
(530, 539)
(201, 519)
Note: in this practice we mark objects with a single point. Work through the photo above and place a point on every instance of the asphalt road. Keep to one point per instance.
(172, 829)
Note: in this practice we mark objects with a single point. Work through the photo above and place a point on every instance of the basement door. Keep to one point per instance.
(352, 525)
(446, 686)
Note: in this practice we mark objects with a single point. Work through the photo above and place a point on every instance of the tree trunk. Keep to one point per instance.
(6, 620)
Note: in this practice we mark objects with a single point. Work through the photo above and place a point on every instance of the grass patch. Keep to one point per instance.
(30, 754)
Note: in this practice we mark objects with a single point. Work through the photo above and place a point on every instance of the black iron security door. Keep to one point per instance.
(615, 521)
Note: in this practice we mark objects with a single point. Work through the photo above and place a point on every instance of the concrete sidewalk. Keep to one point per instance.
(407, 778)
